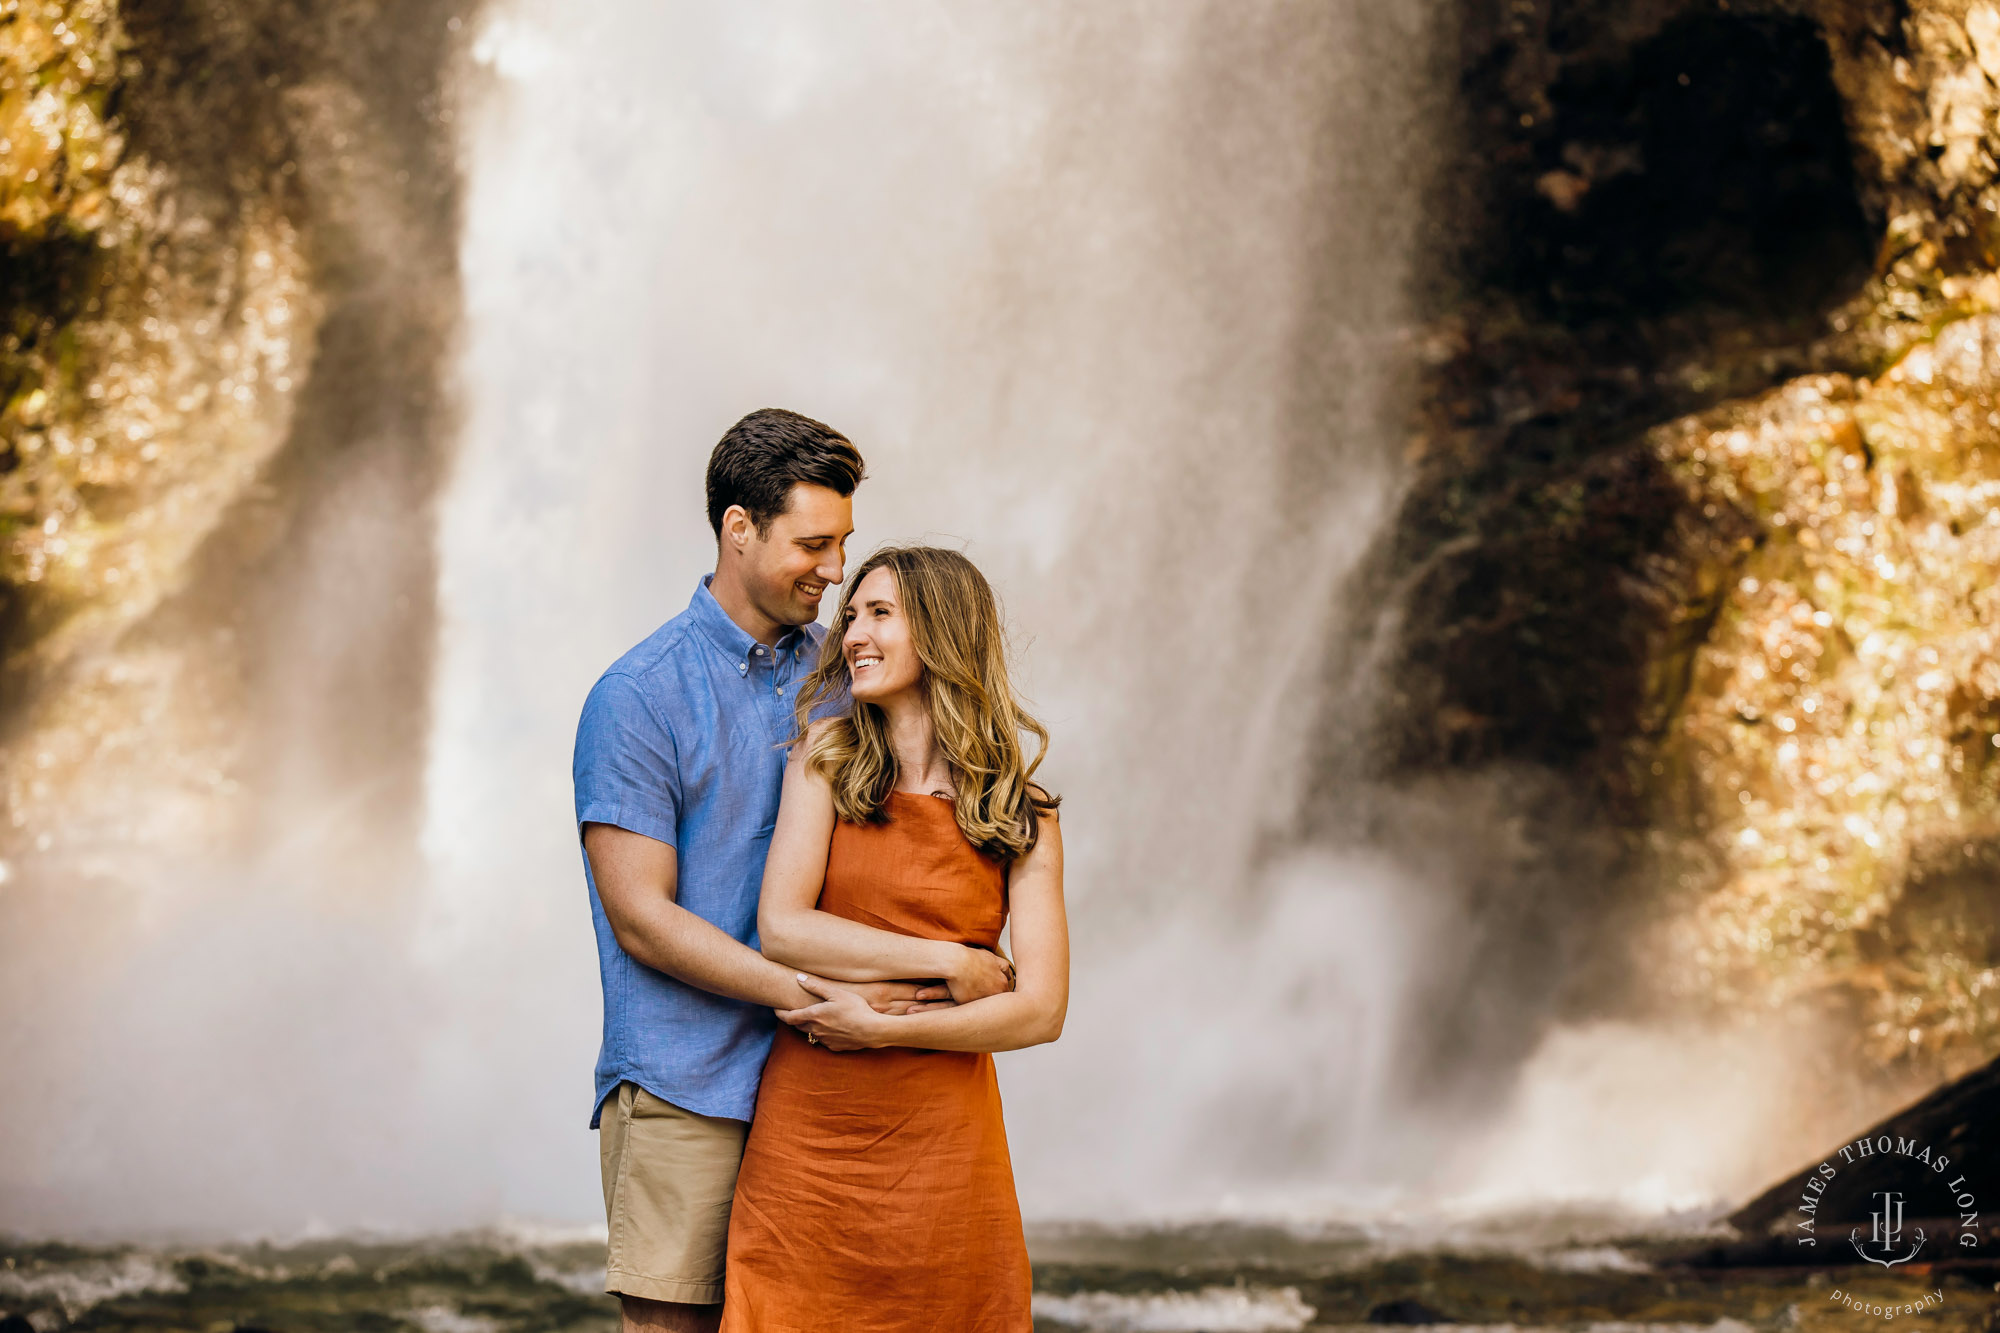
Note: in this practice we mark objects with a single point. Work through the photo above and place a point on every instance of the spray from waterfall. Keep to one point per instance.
(1109, 296)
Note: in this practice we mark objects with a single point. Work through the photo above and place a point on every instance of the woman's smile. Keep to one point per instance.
(875, 639)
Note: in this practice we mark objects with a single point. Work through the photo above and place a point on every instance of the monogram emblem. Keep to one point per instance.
(1886, 1233)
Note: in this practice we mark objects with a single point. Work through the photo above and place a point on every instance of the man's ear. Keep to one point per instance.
(737, 529)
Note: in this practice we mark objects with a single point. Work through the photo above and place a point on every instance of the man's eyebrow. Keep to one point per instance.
(821, 537)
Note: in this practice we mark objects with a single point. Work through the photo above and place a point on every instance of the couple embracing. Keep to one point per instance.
(802, 846)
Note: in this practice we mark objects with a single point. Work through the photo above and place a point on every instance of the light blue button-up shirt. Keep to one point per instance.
(682, 740)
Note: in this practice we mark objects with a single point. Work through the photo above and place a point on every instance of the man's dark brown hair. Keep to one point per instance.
(763, 456)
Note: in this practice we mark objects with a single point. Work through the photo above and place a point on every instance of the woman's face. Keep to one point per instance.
(881, 660)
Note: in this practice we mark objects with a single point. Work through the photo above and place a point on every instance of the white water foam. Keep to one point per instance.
(441, 1318)
(79, 1286)
(1210, 1310)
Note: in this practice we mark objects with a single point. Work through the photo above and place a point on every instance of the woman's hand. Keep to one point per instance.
(1032, 1012)
(841, 1021)
(979, 973)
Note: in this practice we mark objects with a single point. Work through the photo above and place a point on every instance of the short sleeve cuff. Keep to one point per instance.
(647, 823)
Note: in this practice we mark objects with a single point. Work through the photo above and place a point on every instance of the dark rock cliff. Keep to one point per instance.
(1700, 541)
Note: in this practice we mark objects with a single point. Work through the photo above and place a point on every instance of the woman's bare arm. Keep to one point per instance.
(792, 930)
(1030, 1014)
(637, 878)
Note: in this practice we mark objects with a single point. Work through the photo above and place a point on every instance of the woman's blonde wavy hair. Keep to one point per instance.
(955, 628)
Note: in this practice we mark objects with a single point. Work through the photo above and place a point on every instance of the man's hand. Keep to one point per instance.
(841, 1021)
(899, 997)
(980, 973)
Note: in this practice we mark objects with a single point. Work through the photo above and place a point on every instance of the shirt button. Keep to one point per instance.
(742, 667)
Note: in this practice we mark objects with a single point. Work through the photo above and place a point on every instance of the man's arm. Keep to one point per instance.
(637, 878)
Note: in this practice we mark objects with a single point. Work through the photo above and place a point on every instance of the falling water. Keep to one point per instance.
(1108, 296)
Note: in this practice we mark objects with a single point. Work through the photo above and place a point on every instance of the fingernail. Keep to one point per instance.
(802, 978)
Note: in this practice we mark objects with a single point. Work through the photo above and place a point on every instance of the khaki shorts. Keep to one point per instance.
(669, 1175)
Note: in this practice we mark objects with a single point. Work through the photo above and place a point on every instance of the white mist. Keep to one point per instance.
(1106, 295)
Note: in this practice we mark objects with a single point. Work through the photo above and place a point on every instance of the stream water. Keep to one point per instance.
(1569, 1271)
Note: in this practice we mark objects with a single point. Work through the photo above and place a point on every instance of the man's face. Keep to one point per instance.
(787, 570)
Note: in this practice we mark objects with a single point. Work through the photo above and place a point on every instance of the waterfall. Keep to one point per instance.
(1107, 295)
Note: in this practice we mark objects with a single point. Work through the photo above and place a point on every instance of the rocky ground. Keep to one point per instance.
(1176, 1280)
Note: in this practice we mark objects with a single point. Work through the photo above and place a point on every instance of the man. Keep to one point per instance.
(679, 760)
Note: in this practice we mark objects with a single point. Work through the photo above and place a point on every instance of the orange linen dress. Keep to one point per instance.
(876, 1194)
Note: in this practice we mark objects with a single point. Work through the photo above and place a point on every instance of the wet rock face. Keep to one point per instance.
(1701, 520)
(150, 334)
(58, 70)
(226, 282)
(143, 399)
(1829, 763)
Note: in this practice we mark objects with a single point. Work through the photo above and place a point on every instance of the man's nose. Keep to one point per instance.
(834, 569)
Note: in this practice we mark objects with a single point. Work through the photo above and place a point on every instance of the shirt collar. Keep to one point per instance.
(732, 638)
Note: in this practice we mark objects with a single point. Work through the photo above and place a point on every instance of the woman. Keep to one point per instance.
(876, 1191)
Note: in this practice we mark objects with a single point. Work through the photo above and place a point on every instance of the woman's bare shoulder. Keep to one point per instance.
(799, 759)
(1044, 800)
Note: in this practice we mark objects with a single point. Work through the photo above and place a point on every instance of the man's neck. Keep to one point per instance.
(734, 599)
